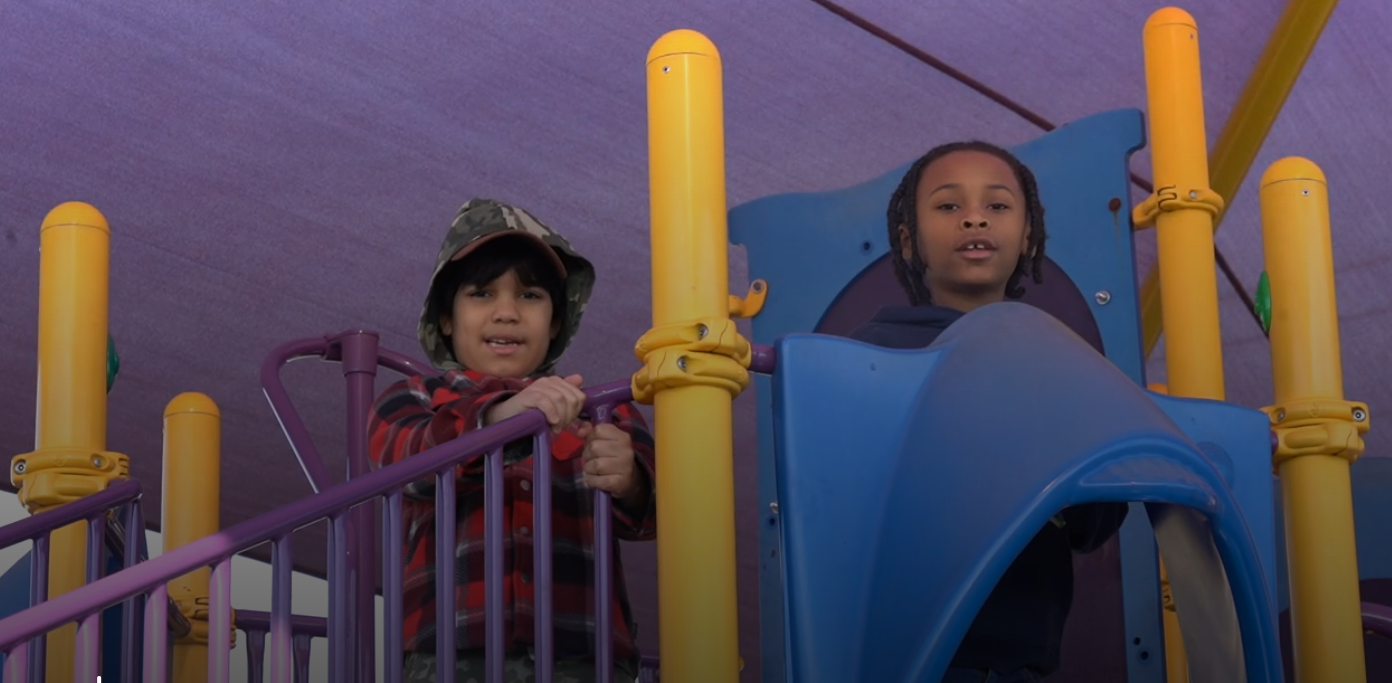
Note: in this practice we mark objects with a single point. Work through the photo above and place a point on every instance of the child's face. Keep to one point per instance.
(971, 228)
(502, 329)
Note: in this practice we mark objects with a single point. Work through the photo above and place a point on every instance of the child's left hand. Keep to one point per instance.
(609, 462)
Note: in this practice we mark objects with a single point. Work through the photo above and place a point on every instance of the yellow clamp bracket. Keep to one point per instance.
(53, 476)
(196, 609)
(752, 303)
(1173, 199)
(1318, 427)
(708, 352)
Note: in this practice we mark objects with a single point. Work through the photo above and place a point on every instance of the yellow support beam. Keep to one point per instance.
(1183, 209)
(1289, 47)
(1321, 434)
(1184, 206)
(70, 459)
(190, 508)
(695, 362)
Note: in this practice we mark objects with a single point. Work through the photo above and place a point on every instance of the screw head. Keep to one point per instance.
(1103, 297)
(1359, 415)
(1280, 415)
(20, 467)
(681, 363)
(97, 461)
(1193, 194)
(773, 507)
(702, 331)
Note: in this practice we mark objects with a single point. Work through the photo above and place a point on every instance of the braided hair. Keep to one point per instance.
(903, 210)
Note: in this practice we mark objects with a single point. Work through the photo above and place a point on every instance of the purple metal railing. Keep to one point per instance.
(26, 662)
(351, 576)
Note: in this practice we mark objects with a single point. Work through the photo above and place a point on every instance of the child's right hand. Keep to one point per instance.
(560, 399)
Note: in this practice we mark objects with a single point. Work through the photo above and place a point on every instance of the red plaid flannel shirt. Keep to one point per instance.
(420, 413)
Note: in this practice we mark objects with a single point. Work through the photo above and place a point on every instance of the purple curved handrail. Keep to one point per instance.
(1377, 619)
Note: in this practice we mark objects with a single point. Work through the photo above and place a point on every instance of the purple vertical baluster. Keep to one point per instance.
(88, 642)
(604, 575)
(282, 565)
(219, 622)
(391, 588)
(17, 664)
(130, 621)
(493, 565)
(157, 636)
(302, 645)
(541, 556)
(444, 575)
(38, 592)
(359, 371)
(339, 646)
(256, 654)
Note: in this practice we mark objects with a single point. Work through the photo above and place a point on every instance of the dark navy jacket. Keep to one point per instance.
(1021, 624)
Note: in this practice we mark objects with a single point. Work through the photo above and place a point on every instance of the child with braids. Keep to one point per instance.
(965, 225)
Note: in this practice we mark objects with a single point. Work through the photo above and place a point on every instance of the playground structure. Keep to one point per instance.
(1170, 456)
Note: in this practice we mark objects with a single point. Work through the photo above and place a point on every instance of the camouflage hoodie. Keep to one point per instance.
(478, 221)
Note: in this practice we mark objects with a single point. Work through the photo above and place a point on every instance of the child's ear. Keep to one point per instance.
(446, 325)
(905, 243)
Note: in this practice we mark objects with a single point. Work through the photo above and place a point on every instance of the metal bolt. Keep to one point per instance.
(702, 331)
(1280, 416)
(1103, 297)
(97, 461)
(665, 69)
(1359, 415)
(773, 507)
(1305, 192)
(681, 363)
(20, 467)
(1193, 194)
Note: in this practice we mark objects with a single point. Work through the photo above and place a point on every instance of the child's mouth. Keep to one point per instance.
(503, 346)
(977, 250)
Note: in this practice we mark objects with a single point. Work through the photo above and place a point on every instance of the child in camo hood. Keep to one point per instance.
(505, 300)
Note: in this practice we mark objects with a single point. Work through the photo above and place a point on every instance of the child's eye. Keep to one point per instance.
(477, 293)
(1000, 207)
(948, 206)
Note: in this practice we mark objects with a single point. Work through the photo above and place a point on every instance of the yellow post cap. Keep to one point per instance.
(682, 41)
(79, 214)
(1170, 16)
(192, 402)
(1292, 168)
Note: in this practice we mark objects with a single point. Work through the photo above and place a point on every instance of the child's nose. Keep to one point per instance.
(505, 309)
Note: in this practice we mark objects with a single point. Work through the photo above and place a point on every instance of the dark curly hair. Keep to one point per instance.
(903, 210)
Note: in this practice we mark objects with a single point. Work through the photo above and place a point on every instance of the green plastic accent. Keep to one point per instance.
(113, 363)
(1263, 303)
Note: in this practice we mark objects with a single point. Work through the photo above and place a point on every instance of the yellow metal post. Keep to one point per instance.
(192, 477)
(695, 362)
(1273, 77)
(1185, 206)
(1183, 209)
(1321, 434)
(69, 460)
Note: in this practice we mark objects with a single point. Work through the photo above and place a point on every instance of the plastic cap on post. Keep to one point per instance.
(192, 402)
(1170, 16)
(682, 41)
(1292, 168)
(75, 213)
